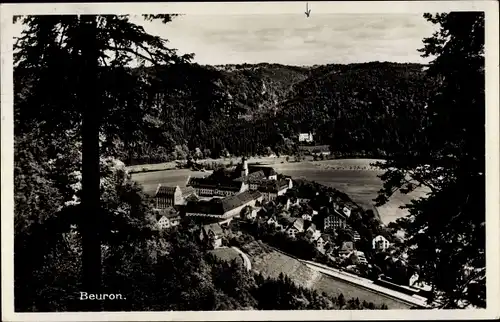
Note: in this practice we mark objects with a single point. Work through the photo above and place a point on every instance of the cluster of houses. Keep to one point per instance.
(314, 225)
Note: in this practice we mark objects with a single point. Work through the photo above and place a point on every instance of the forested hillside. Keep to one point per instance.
(361, 109)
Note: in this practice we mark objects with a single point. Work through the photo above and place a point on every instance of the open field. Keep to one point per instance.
(227, 254)
(150, 180)
(271, 263)
(356, 177)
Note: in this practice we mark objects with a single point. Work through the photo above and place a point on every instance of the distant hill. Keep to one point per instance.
(365, 110)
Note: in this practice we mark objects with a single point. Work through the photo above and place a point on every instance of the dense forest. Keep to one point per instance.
(263, 107)
(252, 109)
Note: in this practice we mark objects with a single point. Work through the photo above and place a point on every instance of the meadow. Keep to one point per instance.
(271, 262)
(356, 177)
(227, 254)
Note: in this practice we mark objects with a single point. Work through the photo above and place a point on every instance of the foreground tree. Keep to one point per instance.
(75, 64)
(445, 231)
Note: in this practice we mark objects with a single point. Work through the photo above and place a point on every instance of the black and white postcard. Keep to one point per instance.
(250, 161)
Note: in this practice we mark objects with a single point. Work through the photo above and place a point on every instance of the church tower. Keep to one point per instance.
(244, 171)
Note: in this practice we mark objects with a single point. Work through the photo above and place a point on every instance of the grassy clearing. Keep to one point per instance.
(227, 254)
(271, 263)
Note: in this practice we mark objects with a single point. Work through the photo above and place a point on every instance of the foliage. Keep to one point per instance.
(445, 231)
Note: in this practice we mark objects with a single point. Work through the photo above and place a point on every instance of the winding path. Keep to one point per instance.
(246, 260)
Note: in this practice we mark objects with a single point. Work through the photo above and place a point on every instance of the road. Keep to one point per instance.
(366, 283)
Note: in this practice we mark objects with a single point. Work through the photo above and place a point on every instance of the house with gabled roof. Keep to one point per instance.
(212, 234)
(296, 227)
(167, 196)
(167, 218)
(346, 248)
(335, 220)
(312, 233)
(322, 242)
(380, 243)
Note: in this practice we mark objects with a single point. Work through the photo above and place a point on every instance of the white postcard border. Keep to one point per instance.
(235, 8)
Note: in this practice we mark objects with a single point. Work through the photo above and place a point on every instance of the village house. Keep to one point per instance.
(222, 209)
(312, 233)
(335, 220)
(250, 212)
(357, 257)
(167, 196)
(284, 201)
(309, 213)
(306, 216)
(167, 218)
(272, 189)
(322, 242)
(380, 243)
(212, 235)
(295, 228)
(273, 221)
(269, 172)
(346, 249)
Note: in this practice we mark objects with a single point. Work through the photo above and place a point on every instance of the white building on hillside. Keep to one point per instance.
(305, 137)
(380, 243)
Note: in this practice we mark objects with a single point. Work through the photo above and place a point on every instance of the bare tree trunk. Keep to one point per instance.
(91, 216)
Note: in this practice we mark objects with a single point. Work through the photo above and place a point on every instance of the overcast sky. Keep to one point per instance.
(297, 40)
(294, 39)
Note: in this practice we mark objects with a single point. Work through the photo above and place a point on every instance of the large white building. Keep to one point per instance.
(305, 137)
(242, 178)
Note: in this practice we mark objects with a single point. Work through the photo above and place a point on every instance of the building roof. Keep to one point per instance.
(216, 228)
(268, 171)
(169, 213)
(312, 227)
(192, 197)
(165, 191)
(339, 214)
(347, 246)
(298, 224)
(273, 185)
(188, 191)
(326, 237)
(220, 206)
(212, 184)
(380, 238)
